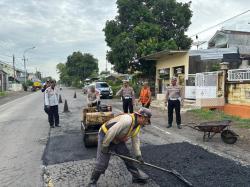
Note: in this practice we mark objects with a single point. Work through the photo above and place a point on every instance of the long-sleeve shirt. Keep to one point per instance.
(126, 92)
(119, 130)
(51, 96)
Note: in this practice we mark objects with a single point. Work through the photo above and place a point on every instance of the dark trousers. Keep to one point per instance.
(145, 105)
(53, 115)
(46, 110)
(127, 105)
(174, 104)
(102, 159)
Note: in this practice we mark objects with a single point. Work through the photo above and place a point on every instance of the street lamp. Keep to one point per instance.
(24, 62)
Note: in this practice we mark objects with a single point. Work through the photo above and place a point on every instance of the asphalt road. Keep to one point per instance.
(23, 136)
(27, 144)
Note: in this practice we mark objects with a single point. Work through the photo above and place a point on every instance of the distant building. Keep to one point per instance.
(231, 39)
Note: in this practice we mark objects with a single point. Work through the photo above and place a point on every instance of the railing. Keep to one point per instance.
(239, 75)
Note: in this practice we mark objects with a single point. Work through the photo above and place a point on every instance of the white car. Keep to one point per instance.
(104, 89)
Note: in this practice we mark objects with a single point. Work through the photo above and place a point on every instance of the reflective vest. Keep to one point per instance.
(131, 133)
(144, 95)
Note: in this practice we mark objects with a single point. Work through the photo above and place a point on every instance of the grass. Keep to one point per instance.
(215, 115)
(2, 94)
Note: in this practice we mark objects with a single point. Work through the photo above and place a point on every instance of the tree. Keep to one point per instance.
(82, 65)
(77, 68)
(143, 27)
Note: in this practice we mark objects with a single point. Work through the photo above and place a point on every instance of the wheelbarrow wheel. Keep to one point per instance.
(229, 136)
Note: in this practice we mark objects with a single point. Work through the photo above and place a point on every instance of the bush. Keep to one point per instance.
(2, 94)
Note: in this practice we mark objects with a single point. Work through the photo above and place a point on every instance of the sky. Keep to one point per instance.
(57, 28)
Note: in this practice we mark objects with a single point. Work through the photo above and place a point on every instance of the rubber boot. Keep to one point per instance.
(94, 178)
(136, 175)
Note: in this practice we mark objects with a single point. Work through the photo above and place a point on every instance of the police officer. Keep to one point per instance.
(112, 137)
(93, 97)
(174, 101)
(51, 103)
(128, 97)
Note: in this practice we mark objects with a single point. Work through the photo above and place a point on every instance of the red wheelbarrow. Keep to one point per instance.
(211, 128)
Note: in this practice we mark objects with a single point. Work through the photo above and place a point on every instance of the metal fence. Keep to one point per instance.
(206, 78)
(239, 75)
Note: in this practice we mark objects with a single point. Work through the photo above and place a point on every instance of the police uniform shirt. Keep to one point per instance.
(174, 92)
(51, 96)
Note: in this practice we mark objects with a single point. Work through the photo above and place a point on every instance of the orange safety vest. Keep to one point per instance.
(144, 95)
(130, 132)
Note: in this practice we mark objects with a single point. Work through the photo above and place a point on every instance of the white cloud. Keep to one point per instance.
(56, 28)
(59, 27)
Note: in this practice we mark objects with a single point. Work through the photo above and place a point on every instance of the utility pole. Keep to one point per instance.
(14, 69)
(24, 63)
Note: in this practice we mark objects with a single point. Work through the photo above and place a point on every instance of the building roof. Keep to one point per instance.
(159, 55)
(213, 53)
(231, 38)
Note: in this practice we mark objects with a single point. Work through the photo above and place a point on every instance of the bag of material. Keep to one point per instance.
(98, 117)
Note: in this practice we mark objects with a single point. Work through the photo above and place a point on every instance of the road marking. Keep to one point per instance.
(166, 132)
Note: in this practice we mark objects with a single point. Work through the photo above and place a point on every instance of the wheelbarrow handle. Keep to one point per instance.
(193, 127)
(173, 172)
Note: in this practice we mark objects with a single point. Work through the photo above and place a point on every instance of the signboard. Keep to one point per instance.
(203, 92)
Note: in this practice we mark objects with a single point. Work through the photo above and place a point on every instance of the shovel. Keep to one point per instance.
(172, 172)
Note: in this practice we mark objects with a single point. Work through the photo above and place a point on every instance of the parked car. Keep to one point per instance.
(104, 89)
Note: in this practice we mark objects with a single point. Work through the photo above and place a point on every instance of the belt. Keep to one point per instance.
(173, 99)
(127, 97)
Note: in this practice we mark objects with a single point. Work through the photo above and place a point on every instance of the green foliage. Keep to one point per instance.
(2, 94)
(215, 67)
(115, 85)
(77, 68)
(143, 27)
(214, 115)
(29, 83)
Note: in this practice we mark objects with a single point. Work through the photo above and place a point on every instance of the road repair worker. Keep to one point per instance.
(128, 97)
(145, 95)
(174, 101)
(112, 137)
(93, 97)
(51, 103)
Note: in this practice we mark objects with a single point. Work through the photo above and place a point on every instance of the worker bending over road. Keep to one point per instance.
(112, 137)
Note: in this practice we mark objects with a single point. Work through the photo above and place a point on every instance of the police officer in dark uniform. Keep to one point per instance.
(128, 97)
(174, 101)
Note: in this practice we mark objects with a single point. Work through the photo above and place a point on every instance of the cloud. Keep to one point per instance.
(59, 27)
(56, 27)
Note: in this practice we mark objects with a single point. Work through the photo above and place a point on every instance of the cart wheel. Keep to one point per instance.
(229, 136)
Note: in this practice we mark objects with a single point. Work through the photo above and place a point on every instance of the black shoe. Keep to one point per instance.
(58, 126)
(94, 178)
(52, 126)
(138, 180)
(179, 126)
(169, 126)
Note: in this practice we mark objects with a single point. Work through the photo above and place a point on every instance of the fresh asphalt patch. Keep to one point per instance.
(195, 164)
(65, 148)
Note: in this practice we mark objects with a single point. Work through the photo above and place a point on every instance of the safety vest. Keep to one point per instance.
(144, 95)
(130, 132)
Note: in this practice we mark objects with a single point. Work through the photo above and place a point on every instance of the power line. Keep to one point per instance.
(219, 23)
